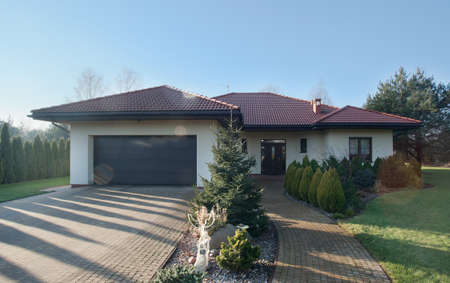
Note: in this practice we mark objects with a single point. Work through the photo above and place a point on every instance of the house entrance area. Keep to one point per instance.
(273, 157)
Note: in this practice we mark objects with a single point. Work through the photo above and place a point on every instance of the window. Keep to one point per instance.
(302, 145)
(244, 145)
(360, 147)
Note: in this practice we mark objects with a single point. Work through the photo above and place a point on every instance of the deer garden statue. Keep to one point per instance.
(204, 221)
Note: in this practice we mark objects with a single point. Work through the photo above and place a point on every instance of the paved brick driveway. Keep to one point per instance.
(91, 234)
(312, 247)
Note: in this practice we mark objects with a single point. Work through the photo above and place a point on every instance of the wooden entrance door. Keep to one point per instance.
(273, 157)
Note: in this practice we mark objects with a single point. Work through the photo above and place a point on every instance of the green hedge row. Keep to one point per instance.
(306, 182)
(40, 159)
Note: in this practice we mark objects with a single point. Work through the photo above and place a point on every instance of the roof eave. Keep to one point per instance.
(366, 125)
(149, 115)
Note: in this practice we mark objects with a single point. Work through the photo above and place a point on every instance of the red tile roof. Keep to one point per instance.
(258, 109)
(271, 109)
(351, 114)
(161, 98)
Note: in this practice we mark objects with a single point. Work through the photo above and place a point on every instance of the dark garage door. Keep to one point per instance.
(145, 160)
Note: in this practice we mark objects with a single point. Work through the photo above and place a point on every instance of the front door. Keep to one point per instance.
(273, 157)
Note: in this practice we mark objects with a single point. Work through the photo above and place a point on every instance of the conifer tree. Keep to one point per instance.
(230, 185)
(6, 156)
(39, 158)
(19, 159)
(305, 182)
(54, 159)
(48, 159)
(30, 169)
(67, 158)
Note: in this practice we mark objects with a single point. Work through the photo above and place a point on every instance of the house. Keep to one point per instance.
(164, 135)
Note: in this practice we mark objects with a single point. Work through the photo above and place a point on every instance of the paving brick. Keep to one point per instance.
(312, 247)
(96, 234)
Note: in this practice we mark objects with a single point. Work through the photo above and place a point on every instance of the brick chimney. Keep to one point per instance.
(316, 102)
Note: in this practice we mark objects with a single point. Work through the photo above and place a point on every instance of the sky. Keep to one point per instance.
(213, 47)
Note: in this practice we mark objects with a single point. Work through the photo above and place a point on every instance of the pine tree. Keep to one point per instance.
(231, 186)
(30, 169)
(6, 156)
(312, 193)
(19, 159)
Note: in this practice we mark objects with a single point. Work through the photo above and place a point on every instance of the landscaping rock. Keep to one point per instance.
(221, 236)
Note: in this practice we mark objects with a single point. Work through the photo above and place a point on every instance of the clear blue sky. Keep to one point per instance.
(202, 46)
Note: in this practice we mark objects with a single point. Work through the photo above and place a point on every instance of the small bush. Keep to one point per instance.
(178, 273)
(394, 172)
(312, 192)
(314, 165)
(376, 165)
(352, 198)
(330, 195)
(338, 215)
(364, 179)
(349, 212)
(305, 162)
(238, 254)
(295, 182)
(330, 162)
(304, 183)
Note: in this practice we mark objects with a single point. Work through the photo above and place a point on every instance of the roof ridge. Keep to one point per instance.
(203, 97)
(386, 114)
(330, 114)
(97, 98)
(275, 94)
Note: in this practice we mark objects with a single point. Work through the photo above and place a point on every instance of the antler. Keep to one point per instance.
(212, 215)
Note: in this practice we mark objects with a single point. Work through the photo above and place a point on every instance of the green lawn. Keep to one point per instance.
(408, 232)
(25, 189)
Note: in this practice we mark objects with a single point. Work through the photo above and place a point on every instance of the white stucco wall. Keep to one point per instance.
(314, 145)
(336, 142)
(82, 133)
(320, 144)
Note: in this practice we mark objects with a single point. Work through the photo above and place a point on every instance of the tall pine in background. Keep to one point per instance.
(6, 157)
(231, 186)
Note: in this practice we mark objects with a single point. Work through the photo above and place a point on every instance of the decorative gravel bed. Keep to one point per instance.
(261, 272)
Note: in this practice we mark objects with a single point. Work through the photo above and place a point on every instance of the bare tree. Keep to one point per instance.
(127, 80)
(89, 85)
(320, 91)
(271, 88)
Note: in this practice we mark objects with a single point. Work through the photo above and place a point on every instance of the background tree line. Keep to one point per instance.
(30, 160)
(420, 97)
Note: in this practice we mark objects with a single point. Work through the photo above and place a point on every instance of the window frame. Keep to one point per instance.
(301, 145)
(244, 145)
(359, 155)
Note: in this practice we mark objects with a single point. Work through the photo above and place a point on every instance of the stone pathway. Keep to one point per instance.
(96, 234)
(312, 247)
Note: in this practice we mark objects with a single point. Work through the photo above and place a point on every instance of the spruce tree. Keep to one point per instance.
(30, 167)
(6, 157)
(230, 185)
(19, 159)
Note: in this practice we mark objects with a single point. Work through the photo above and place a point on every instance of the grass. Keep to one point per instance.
(25, 189)
(408, 232)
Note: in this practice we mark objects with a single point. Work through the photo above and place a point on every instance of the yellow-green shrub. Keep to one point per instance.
(289, 172)
(294, 181)
(312, 192)
(395, 172)
(304, 183)
(330, 194)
